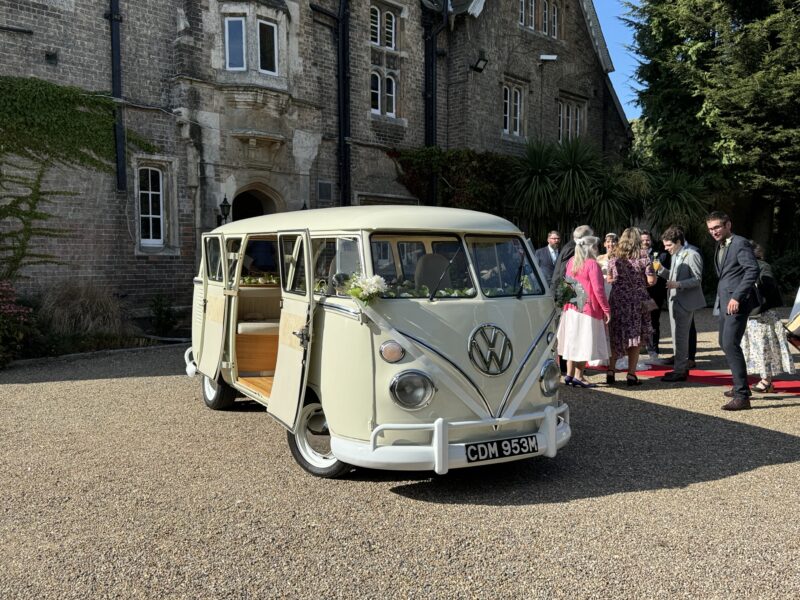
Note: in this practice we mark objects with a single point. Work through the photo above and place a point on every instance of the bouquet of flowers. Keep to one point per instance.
(364, 288)
(569, 291)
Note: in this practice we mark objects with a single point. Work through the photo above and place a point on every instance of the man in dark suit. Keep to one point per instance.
(737, 270)
(658, 292)
(547, 256)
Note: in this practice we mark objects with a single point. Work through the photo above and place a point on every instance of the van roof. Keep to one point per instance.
(371, 218)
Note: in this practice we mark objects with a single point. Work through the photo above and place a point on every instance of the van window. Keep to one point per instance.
(504, 267)
(234, 246)
(414, 266)
(213, 259)
(294, 264)
(334, 256)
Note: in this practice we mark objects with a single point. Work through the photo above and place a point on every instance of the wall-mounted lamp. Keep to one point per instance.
(547, 58)
(224, 210)
(481, 63)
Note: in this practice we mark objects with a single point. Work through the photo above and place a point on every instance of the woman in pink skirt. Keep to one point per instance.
(582, 332)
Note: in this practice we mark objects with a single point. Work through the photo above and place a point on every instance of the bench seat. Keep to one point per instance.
(267, 327)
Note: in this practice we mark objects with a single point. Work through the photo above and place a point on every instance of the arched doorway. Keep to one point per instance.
(252, 203)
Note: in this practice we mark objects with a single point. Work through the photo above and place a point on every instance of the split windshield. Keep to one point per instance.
(416, 266)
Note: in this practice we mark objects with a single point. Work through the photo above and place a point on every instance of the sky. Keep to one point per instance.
(618, 37)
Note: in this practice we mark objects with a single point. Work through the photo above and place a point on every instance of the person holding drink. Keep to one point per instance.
(657, 293)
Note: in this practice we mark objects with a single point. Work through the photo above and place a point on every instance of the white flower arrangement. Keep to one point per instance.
(364, 288)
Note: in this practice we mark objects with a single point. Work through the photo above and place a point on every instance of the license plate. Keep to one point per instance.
(525, 444)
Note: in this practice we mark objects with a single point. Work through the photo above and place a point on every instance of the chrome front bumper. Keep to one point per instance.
(441, 456)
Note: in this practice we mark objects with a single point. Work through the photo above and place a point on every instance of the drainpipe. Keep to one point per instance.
(115, 19)
(342, 40)
(431, 33)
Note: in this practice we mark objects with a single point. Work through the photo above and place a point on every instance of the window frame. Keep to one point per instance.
(522, 7)
(161, 216)
(386, 95)
(516, 114)
(375, 28)
(243, 21)
(532, 14)
(390, 43)
(275, 45)
(506, 108)
(545, 18)
(373, 90)
(554, 16)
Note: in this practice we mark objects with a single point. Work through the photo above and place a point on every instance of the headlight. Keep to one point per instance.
(412, 390)
(550, 378)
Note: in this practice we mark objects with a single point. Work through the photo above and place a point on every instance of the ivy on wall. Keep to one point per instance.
(42, 125)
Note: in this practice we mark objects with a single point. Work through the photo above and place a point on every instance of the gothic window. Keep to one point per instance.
(235, 44)
(390, 23)
(375, 93)
(385, 41)
(554, 27)
(267, 47)
(512, 110)
(544, 16)
(151, 207)
(391, 88)
(571, 119)
(375, 25)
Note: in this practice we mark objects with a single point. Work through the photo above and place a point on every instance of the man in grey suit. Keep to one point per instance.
(738, 271)
(684, 296)
(546, 257)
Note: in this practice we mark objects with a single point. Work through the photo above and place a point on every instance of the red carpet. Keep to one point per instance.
(720, 378)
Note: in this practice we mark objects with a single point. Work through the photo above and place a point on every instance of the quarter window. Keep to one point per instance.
(235, 44)
(151, 207)
(213, 259)
(268, 47)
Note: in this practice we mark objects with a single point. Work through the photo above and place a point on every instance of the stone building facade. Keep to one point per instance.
(242, 99)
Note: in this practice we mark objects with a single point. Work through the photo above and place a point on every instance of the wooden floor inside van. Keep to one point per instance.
(262, 385)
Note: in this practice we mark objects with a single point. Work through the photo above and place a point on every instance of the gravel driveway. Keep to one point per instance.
(117, 481)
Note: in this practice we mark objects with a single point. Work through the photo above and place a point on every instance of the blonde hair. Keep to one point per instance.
(585, 248)
(630, 244)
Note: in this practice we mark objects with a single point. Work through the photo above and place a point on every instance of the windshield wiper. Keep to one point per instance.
(445, 270)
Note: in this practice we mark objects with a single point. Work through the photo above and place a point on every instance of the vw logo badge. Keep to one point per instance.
(490, 349)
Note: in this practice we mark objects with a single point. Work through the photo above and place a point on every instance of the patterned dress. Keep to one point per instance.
(766, 351)
(630, 325)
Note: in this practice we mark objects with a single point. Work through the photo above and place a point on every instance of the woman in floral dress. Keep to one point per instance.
(764, 345)
(630, 272)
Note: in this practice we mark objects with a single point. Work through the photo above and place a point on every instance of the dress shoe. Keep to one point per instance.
(674, 376)
(728, 394)
(737, 404)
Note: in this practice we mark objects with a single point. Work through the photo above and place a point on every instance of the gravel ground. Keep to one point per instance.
(117, 481)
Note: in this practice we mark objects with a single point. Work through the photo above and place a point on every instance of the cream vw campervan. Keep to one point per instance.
(391, 337)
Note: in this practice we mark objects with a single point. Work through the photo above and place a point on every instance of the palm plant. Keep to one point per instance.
(677, 198)
(534, 187)
(578, 170)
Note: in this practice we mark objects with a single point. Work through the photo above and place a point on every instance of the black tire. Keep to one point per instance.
(311, 445)
(217, 395)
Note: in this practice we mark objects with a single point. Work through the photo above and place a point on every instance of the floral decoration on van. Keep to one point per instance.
(263, 279)
(364, 288)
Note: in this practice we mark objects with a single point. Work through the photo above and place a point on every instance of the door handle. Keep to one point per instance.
(302, 335)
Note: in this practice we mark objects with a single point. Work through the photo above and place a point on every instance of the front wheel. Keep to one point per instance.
(217, 394)
(311, 445)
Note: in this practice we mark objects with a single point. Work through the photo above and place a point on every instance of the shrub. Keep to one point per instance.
(82, 309)
(15, 322)
(163, 315)
(787, 271)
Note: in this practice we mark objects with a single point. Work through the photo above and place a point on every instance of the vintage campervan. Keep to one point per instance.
(389, 337)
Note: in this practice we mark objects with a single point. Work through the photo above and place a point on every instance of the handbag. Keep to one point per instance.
(759, 301)
(649, 305)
